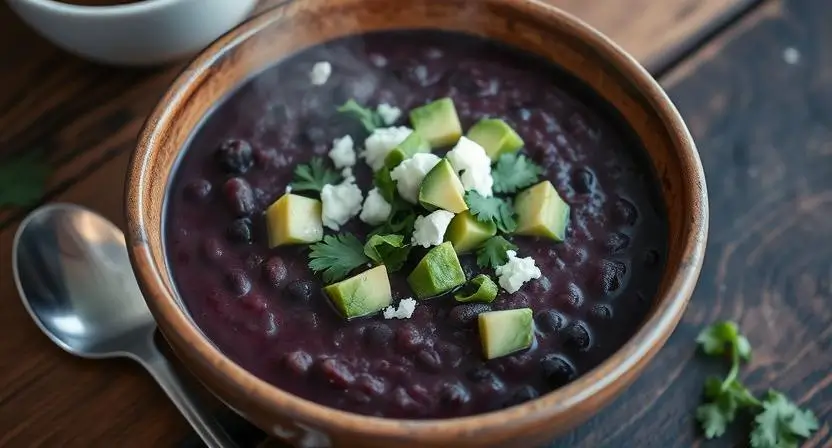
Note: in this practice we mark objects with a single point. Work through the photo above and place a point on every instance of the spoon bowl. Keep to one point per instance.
(74, 277)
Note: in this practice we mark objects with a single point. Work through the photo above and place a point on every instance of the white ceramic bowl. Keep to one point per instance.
(148, 32)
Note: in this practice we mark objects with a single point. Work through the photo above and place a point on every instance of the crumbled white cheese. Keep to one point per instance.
(342, 152)
(404, 311)
(410, 173)
(320, 73)
(376, 209)
(381, 142)
(470, 158)
(288, 189)
(389, 114)
(516, 272)
(430, 230)
(347, 174)
(340, 203)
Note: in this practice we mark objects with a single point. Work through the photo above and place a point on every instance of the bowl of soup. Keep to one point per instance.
(368, 223)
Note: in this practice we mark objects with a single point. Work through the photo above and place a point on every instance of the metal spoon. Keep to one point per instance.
(74, 278)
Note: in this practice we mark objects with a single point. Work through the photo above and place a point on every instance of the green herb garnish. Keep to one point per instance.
(492, 253)
(495, 209)
(514, 172)
(313, 176)
(778, 423)
(389, 250)
(336, 256)
(22, 180)
(369, 118)
(385, 184)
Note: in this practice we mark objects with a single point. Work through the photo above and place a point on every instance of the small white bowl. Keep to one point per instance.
(148, 32)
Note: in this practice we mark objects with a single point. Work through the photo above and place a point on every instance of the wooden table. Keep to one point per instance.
(754, 81)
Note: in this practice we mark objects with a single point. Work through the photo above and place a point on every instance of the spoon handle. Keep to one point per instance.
(202, 422)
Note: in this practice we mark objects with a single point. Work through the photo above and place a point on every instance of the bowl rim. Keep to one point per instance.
(621, 367)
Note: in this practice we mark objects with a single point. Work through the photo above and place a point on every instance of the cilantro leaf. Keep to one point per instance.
(385, 184)
(713, 420)
(724, 337)
(493, 252)
(369, 118)
(389, 250)
(400, 221)
(313, 176)
(336, 256)
(495, 209)
(514, 172)
(781, 423)
(22, 180)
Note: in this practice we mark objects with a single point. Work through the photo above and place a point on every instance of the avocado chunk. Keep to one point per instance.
(467, 233)
(362, 294)
(505, 332)
(414, 143)
(437, 122)
(438, 272)
(495, 136)
(480, 289)
(541, 212)
(294, 219)
(441, 188)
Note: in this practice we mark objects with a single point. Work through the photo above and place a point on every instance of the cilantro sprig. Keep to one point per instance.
(778, 423)
(498, 210)
(492, 253)
(369, 118)
(513, 172)
(336, 256)
(313, 176)
(389, 250)
(22, 180)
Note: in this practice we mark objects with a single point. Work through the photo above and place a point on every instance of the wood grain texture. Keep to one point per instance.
(85, 118)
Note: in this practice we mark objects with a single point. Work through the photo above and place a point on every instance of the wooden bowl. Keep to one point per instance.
(527, 24)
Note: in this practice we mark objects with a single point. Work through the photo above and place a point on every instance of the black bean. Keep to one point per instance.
(612, 275)
(276, 272)
(583, 181)
(235, 156)
(626, 212)
(336, 373)
(198, 190)
(239, 231)
(522, 395)
(377, 335)
(429, 360)
(454, 394)
(212, 249)
(408, 338)
(550, 321)
(578, 336)
(238, 282)
(298, 362)
(557, 371)
(300, 290)
(370, 385)
(601, 312)
(617, 242)
(466, 314)
(239, 196)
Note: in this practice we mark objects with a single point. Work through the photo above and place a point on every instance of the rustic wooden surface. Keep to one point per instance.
(762, 126)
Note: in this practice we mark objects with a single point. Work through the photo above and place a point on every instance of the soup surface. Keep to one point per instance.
(266, 309)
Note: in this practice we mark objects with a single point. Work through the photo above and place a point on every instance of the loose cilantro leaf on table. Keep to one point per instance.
(369, 118)
(514, 172)
(492, 253)
(313, 176)
(22, 180)
(389, 250)
(495, 209)
(336, 256)
(779, 423)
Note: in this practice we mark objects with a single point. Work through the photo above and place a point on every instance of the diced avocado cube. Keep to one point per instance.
(362, 294)
(495, 136)
(505, 332)
(441, 188)
(480, 289)
(294, 219)
(541, 212)
(467, 233)
(414, 143)
(438, 272)
(437, 122)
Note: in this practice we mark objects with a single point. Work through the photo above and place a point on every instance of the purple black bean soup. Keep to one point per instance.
(415, 224)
